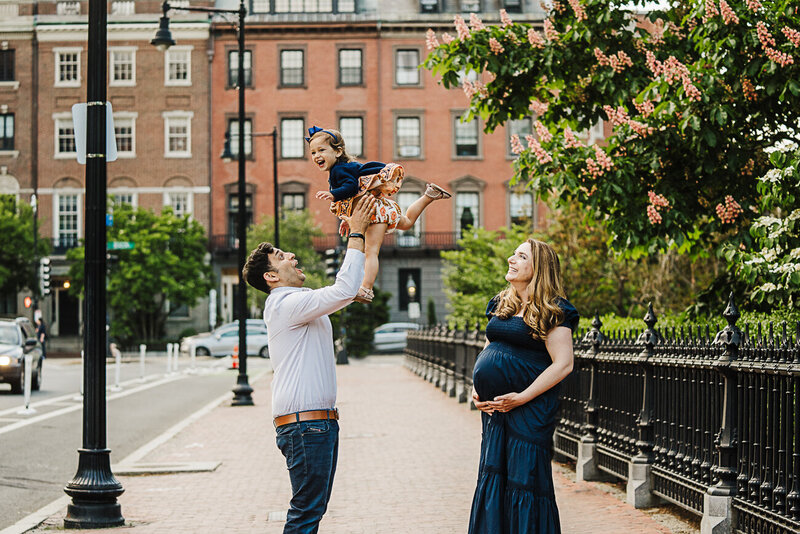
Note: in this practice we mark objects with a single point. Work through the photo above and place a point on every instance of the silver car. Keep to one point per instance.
(18, 338)
(392, 336)
(220, 341)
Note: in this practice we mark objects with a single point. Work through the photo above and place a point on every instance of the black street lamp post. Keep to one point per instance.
(94, 490)
(163, 40)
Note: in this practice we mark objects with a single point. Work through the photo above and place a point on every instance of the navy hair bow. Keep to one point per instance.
(315, 129)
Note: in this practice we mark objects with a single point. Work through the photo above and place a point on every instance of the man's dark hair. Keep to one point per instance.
(258, 264)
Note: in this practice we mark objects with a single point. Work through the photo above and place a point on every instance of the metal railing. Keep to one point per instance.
(704, 415)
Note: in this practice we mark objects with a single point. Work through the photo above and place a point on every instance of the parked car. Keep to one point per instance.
(18, 338)
(220, 341)
(392, 336)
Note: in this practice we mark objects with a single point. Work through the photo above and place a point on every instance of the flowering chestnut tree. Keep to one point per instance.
(694, 93)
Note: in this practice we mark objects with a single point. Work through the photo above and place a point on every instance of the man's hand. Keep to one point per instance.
(482, 406)
(324, 195)
(360, 219)
(344, 228)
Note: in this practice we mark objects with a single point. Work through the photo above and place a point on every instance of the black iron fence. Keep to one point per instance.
(706, 419)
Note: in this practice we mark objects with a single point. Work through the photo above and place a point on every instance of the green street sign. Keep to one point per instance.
(120, 245)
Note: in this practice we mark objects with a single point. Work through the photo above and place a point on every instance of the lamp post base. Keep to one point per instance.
(242, 393)
(94, 492)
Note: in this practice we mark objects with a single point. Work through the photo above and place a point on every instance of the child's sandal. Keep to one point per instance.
(364, 295)
(435, 192)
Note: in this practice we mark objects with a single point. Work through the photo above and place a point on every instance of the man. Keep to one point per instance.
(304, 380)
(41, 335)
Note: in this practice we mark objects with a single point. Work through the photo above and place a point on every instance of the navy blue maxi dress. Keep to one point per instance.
(515, 482)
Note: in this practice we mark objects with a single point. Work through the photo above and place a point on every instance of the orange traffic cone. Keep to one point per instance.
(235, 357)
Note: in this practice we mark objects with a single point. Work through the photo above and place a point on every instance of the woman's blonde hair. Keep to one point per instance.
(542, 311)
(336, 141)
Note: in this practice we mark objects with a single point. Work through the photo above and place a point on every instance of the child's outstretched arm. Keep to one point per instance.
(324, 195)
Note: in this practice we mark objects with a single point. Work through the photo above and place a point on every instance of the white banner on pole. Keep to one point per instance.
(79, 127)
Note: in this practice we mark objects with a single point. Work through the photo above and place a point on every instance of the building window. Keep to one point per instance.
(177, 134)
(352, 129)
(293, 201)
(467, 209)
(233, 68)
(409, 238)
(521, 208)
(7, 131)
(305, 6)
(233, 132)
(68, 8)
(407, 134)
(406, 277)
(513, 6)
(292, 138)
(68, 67)
(350, 66)
(118, 199)
(292, 68)
(520, 128)
(407, 67)
(346, 6)
(67, 218)
(65, 138)
(7, 66)
(233, 212)
(466, 137)
(429, 6)
(177, 312)
(470, 6)
(123, 66)
(123, 8)
(180, 202)
(125, 132)
(178, 65)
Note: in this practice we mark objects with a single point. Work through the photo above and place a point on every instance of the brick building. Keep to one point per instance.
(352, 65)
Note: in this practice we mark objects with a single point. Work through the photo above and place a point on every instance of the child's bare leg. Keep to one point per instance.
(413, 212)
(372, 247)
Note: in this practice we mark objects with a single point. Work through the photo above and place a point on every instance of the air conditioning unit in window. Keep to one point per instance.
(429, 6)
(408, 151)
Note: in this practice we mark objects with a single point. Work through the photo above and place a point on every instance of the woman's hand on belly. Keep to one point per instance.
(507, 402)
(482, 406)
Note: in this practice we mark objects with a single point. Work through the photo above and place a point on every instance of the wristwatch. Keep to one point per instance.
(355, 234)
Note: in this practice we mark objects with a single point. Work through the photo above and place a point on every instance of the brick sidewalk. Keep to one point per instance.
(407, 464)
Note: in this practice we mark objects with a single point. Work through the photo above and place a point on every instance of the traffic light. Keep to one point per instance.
(331, 262)
(44, 276)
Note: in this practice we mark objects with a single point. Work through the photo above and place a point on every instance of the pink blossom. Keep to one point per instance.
(541, 153)
(535, 39)
(645, 108)
(543, 133)
(655, 66)
(469, 88)
(516, 146)
(749, 90)
(711, 10)
(657, 200)
(549, 31)
(447, 38)
(764, 35)
(620, 61)
(461, 27)
(480, 89)
(580, 13)
(754, 5)
(495, 46)
(475, 88)
(602, 59)
(768, 43)
(602, 158)
(430, 39)
(475, 22)
(540, 108)
(728, 14)
(792, 34)
(572, 142)
(505, 19)
(653, 215)
(617, 116)
(657, 32)
(729, 211)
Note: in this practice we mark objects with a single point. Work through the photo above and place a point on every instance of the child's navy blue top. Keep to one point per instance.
(343, 177)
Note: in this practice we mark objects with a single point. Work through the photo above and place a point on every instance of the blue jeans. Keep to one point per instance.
(311, 449)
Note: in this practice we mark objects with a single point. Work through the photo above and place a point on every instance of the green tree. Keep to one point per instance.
(360, 321)
(297, 232)
(168, 264)
(695, 93)
(18, 259)
(772, 266)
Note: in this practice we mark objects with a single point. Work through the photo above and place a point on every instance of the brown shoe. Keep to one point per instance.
(364, 295)
(435, 192)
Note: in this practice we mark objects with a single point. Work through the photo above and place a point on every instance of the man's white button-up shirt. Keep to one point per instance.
(301, 339)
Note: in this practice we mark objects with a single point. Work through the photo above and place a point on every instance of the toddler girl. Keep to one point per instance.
(349, 179)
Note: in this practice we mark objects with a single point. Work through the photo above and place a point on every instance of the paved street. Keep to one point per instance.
(40, 450)
(407, 464)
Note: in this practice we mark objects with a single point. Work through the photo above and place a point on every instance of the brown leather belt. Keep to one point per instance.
(310, 415)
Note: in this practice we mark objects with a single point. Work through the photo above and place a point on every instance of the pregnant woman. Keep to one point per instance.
(528, 352)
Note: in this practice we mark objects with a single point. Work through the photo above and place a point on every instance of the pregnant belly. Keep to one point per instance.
(490, 375)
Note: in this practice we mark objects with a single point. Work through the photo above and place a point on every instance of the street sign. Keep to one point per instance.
(79, 124)
(109, 219)
(120, 245)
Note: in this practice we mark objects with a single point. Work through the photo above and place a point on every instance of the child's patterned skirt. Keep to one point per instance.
(384, 184)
